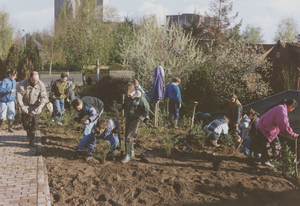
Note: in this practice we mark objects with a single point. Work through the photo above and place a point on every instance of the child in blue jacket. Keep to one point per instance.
(7, 98)
(106, 130)
(174, 97)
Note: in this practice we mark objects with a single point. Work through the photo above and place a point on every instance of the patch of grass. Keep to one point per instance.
(169, 142)
(144, 131)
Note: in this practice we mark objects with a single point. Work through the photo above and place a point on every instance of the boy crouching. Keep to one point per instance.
(106, 130)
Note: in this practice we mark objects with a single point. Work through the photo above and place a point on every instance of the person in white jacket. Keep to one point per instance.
(216, 128)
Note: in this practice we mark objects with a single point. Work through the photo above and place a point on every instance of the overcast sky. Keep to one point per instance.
(33, 15)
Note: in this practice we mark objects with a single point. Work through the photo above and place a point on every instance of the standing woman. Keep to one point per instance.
(234, 113)
(273, 121)
(7, 98)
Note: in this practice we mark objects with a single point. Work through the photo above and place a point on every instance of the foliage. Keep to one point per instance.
(24, 69)
(287, 29)
(6, 34)
(200, 88)
(184, 122)
(154, 44)
(221, 23)
(101, 149)
(286, 164)
(2, 70)
(200, 134)
(169, 142)
(253, 35)
(13, 57)
(226, 141)
(288, 79)
(107, 90)
(233, 69)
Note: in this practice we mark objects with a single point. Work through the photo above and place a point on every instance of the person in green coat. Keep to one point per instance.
(136, 109)
(235, 112)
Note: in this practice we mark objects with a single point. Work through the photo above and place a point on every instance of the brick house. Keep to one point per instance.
(283, 56)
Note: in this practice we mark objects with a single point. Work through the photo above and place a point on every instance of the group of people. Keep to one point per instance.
(257, 136)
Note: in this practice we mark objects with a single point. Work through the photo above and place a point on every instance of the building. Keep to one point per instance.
(283, 56)
(181, 19)
(59, 3)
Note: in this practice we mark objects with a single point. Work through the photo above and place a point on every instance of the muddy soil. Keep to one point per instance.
(178, 180)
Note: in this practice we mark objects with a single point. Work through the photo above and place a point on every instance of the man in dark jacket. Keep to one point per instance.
(91, 106)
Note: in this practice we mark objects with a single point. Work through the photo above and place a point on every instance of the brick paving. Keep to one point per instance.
(23, 177)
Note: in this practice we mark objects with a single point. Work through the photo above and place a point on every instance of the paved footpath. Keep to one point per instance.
(23, 177)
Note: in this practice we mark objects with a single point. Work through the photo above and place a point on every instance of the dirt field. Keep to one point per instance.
(177, 180)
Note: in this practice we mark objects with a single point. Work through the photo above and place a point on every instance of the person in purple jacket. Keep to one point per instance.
(273, 121)
(174, 97)
(7, 98)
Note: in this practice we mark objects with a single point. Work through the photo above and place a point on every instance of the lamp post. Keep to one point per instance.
(24, 36)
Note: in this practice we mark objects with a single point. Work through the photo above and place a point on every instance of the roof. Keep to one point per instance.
(261, 105)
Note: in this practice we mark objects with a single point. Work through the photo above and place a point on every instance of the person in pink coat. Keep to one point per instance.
(273, 121)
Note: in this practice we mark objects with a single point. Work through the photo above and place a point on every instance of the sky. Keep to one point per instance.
(35, 15)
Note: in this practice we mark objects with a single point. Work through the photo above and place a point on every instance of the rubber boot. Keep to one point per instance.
(1, 122)
(175, 124)
(129, 151)
(31, 139)
(10, 123)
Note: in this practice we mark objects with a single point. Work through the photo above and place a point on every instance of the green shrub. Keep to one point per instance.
(227, 141)
(286, 164)
(199, 133)
(169, 143)
(101, 149)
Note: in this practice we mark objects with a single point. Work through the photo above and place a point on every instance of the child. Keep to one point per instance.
(91, 106)
(136, 110)
(174, 96)
(138, 87)
(59, 93)
(7, 98)
(216, 128)
(104, 129)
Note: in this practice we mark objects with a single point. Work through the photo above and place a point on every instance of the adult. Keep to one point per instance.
(59, 93)
(7, 98)
(32, 97)
(235, 112)
(273, 121)
(174, 97)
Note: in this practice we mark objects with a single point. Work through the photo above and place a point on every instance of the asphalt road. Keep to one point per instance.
(47, 79)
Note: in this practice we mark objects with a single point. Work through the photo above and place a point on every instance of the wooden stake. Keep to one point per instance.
(193, 117)
(296, 168)
(117, 119)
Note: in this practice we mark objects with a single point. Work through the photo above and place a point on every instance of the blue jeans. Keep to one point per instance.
(246, 146)
(114, 141)
(174, 109)
(212, 135)
(58, 108)
(86, 133)
(11, 110)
